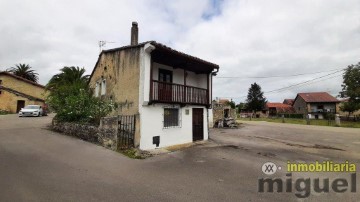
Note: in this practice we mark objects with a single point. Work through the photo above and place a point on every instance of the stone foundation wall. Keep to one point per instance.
(105, 134)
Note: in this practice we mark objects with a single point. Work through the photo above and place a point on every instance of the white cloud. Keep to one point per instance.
(246, 38)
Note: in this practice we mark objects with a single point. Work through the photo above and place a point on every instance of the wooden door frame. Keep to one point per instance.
(17, 105)
(195, 137)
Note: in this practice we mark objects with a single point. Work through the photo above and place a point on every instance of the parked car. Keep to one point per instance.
(31, 110)
(45, 109)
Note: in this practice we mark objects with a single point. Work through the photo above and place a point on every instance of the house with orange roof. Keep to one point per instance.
(276, 108)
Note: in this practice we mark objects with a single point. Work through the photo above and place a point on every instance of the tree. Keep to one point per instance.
(240, 107)
(351, 83)
(69, 76)
(351, 88)
(349, 107)
(255, 98)
(24, 71)
(231, 104)
(72, 100)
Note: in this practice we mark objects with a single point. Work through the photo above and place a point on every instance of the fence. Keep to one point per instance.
(126, 131)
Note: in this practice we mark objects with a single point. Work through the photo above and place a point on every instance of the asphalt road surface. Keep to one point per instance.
(40, 165)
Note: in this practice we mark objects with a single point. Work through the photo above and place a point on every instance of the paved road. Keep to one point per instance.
(41, 165)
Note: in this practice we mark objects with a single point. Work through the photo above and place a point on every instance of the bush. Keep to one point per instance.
(78, 105)
(330, 116)
(4, 112)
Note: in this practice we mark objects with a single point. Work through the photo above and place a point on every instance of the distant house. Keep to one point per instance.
(316, 104)
(166, 93)
(17, 92)
(276, 108)
(288, 101)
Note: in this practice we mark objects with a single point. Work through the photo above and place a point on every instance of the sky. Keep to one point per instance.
(276, 39)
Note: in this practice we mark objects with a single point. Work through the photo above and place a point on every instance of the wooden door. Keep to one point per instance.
(20, 104)
(165, 85)
(198, 124)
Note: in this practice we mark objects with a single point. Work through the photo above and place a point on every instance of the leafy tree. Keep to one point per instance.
(255, 98)
(351, 83)
(72, 100)
(69, 76)
(231, 104)
(24, 71)
(349, 107)
(351, 88)
(241, 106)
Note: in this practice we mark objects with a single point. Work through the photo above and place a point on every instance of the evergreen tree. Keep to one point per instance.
(255, 98)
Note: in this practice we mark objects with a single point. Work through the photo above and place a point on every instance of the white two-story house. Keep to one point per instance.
(168, 92)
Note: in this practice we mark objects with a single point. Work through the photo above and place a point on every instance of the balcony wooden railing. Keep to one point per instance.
(176, 93)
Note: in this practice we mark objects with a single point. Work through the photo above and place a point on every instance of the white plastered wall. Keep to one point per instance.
(151, 125)
(152, 116)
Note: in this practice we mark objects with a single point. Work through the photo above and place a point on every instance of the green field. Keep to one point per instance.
(318, 122)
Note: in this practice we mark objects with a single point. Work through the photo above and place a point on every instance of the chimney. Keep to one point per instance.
(134, 33)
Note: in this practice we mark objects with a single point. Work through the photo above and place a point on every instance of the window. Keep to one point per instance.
(171, 117)
(97, 87)
(165, 75)
(103, 87)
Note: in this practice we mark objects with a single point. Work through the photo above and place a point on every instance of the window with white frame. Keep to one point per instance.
(97, 89)
(171, 117)
(103, 87)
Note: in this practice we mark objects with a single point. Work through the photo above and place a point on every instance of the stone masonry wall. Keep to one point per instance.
(105, 134)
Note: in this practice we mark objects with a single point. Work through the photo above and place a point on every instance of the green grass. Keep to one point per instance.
(131, 153)
(317, 122)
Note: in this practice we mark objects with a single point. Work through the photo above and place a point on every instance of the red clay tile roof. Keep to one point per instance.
(280, 107)
(289, 101)
(276, 104)
(317, 97)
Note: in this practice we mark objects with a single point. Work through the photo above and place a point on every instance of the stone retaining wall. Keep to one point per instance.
(105, 134)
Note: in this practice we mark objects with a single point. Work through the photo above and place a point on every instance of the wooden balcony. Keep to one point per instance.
(162, 92)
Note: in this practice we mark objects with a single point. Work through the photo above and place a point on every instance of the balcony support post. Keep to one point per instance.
(184, 89)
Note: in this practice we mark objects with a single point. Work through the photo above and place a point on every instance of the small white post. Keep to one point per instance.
(337, 120)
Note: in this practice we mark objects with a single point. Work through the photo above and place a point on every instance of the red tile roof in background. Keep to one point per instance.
(289, 101)
(317, 97)
(276, 104)
(280, 107)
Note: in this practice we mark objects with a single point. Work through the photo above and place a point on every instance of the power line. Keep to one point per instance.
(274, 76)
(301, 83)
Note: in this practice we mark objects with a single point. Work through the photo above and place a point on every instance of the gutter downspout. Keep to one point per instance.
(213, 73)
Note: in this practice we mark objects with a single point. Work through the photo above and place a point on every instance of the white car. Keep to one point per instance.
(31, 110)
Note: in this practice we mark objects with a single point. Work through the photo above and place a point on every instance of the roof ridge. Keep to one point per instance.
(21, 78)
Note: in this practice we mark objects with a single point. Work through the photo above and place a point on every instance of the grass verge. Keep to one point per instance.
(317, 122)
